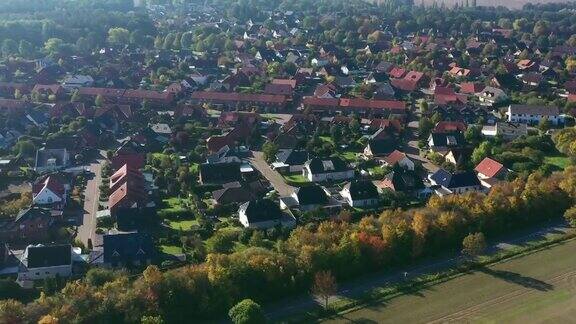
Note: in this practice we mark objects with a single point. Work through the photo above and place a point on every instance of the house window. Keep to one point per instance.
(49, 199)
(37, 273)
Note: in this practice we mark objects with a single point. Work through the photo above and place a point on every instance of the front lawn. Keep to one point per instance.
(349, 156)
(182, 224)
(171, 249)
(560, 161)
(296, 178)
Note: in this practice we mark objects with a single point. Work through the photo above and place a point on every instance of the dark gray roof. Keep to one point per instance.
(49, 256)
(534, 110)
(362, 189)
(448, 139)
(292, 157)
(380, 147)
(311, 195)
(456, 180)
(261, 210)
(327, 165)
(128, 247)
(220, 173)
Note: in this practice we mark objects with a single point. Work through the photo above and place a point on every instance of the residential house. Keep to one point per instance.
(30, 225)
(357, 106)
(219, 173)
(448, 183)
(48, 160)
(506, 130)
(327, 169)
(263, 214)
(49, 190)
(378, 148)
(233, 193)
(401, 159)
(41, 262)
(490, 168)
(233, 101)
(533, 114)
(490, 96)
(128, 250)
(47, 90)
(459, 156)
(449, 127)
(360, 193)
(401, 180)
(442, 142)
(72, 82)
(306, 198)
(290, 161)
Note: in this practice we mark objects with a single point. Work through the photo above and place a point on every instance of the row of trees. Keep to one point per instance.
(346, 249)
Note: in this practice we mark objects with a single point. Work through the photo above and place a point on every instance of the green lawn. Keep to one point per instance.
(175, 203)
(296, 178)
(349, 156)
(560, 161)
(171, 249)
(535, 288)
(182, 224)
(327, 139)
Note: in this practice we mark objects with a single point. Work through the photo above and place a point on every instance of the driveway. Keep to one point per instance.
(91, 202)
(277, 181)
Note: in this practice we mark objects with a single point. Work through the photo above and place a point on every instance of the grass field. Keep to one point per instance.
(182, 224)
(559, 161)
(296, 178)
(540, 287)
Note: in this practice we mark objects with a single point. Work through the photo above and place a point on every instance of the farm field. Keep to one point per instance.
(537, 288)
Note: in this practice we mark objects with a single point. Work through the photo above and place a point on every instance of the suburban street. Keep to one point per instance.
(413, 151)
(91, 201)
(277, 181)
(359, 287)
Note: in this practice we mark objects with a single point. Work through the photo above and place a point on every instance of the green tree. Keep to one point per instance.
(53, 46)
(270, 149)
(544, 124)
(480, 152)
(246, 312)
(570, 216)
(118, 36)
(474, 244)
(99, 101)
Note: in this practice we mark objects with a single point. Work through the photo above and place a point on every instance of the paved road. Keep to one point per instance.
(361, 286)
(277, 181)
(91, 201)
(413, 151)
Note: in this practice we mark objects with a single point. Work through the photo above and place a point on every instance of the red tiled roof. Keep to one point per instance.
(489, 167)
(572, 98)
(404, 84)
(471, 87)
(278, 89)
(397, 72)
(51, 183)
(135, 160)
(386, 123)
(449, 126)
(241, 97)
(414, 76)
(52, 88)
(291, 82)
(355, 103)
(394, 157)
(105, 92)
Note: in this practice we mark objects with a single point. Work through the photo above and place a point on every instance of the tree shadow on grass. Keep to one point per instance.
(516, 278)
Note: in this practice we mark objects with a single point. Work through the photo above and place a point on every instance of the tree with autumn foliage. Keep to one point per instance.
(324, 286)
